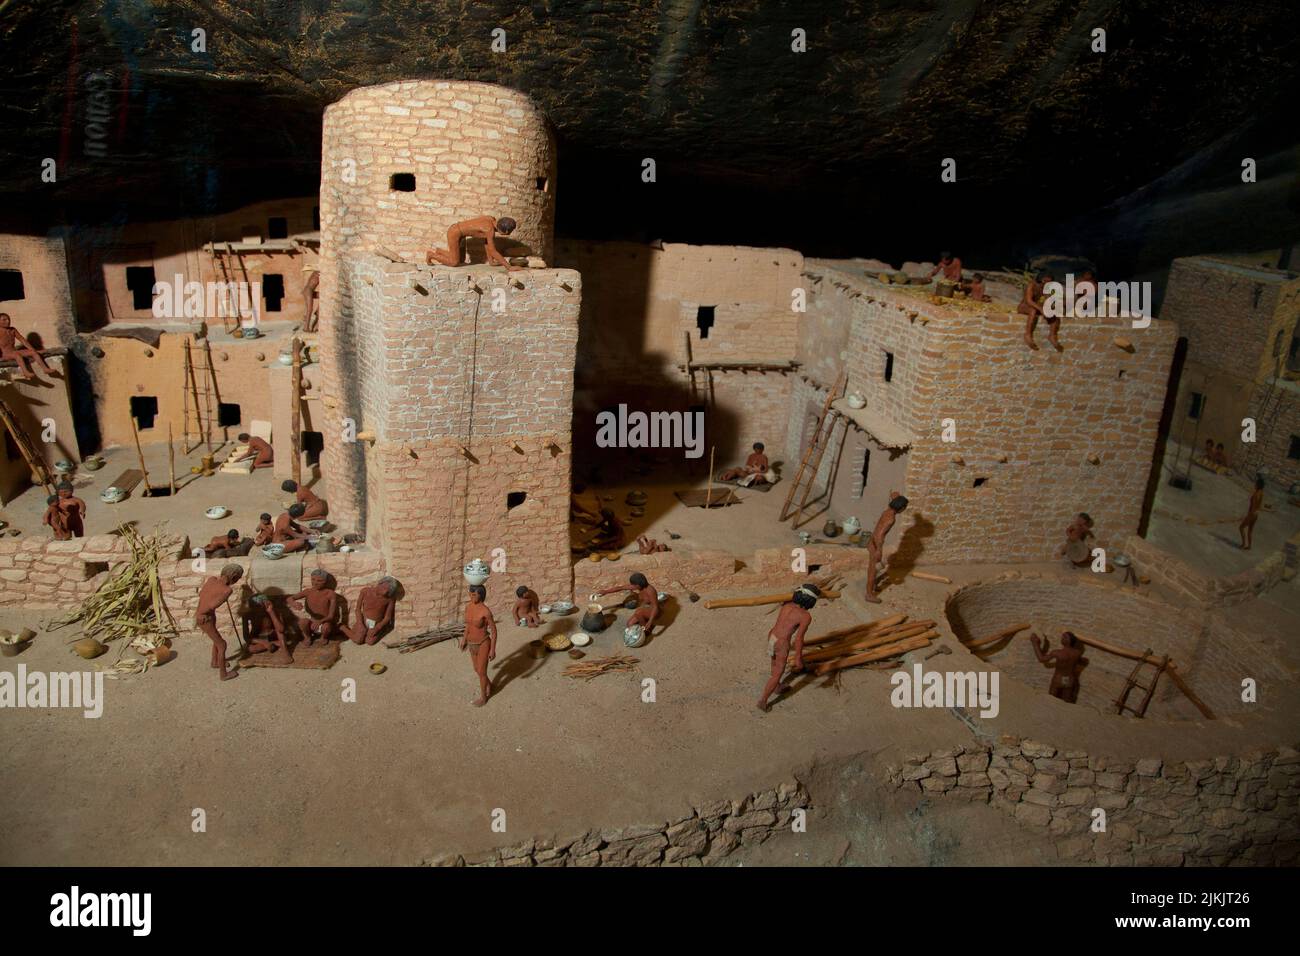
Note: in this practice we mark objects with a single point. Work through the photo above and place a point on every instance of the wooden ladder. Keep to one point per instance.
(203, 395)
(1121, 704)
(230, 313)
(35, 461)
(816, 449)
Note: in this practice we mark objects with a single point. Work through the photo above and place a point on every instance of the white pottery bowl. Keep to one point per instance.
(273, 552)
(634, 636)
(580, 638)
(217, 511)
(112, 495)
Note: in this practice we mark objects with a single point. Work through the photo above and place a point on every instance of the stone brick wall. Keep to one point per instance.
(703, 837)
(474, 149)
(1212, 812)
(467, 406)
(58, 575)
(45, 312)
(1180, 578)
(1069, 432)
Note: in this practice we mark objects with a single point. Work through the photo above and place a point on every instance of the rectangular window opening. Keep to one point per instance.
(144, 409)
(140, 280)
(273, 291)
(889, 366)
(277, 227)
(11, 285)
(704, 316)
(402, 182)
(542, 183)
(228, 415)
(1197, 406)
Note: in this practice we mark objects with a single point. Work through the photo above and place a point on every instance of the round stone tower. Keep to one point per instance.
(400, 164)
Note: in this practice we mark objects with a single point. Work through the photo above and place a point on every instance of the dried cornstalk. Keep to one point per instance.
(130, 603)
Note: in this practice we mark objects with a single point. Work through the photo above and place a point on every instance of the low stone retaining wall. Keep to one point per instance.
(1181, 578)
(706, 835)
(1208, 812)
(58, 575)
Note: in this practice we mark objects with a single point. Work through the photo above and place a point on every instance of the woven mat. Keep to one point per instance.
(127, 479)
(318, 657)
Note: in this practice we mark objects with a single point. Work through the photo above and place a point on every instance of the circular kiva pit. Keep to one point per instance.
(1212, 658)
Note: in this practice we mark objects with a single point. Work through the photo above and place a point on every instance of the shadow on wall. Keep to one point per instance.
(911, 545)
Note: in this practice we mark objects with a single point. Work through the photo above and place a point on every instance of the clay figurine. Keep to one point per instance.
(73, 508)
(949, 265)
(1032, 306)
(214, 593)
(1076, 548)
(1068, 661)
(791, 625)
(265, 533)
(1247, 527)
(14, 346)
(647, 612)
(755, 468)
(262, 454)
(55, 518)
(481, 227)
(322, 605)
(288, 532)
(223, 545)
(480, 638)
(526, 605)
(313, 507)
(263, 629)
(310, 299)
(375, 607)
(876, 543)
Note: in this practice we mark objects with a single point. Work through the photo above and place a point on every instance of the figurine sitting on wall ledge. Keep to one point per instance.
(482, 227)
(16, 348)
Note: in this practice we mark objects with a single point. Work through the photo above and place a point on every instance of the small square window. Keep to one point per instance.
(402, 182)
(11, 285)
(228, 415)
(140, 280)
(277, 227)
(144, 409)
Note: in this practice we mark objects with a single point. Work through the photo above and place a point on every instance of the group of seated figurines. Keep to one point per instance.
(1214, 457)
(284, 530)
(277, 625)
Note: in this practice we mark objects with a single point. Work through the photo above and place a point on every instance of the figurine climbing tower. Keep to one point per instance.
(457, 384)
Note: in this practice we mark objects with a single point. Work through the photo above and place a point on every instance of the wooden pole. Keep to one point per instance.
(875, 654)
(708, 498)
(140, 453)
(171, 457)
(1170, 669)
(295, 417)
(999, 636)
(781, 598)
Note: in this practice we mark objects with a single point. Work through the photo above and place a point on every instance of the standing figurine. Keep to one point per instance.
(791, 625)
(1031, 305)
(480, 638)
(526, 605)
(15, 347)
(321, 603)
(313, 506)
(310, 299)
(262, 454)
(73, 508)
(481, 227)
(375, 607)
(647, 612)
(1068, 661)
(1247, 527)
(55, 518)
(214, 593)
(263, 629)
(876, 543)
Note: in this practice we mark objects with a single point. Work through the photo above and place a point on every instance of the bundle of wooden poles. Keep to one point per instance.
(827, 585)
(877, 644)
(589, 670)
(445, 632)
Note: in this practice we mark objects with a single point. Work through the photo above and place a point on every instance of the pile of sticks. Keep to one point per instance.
(589, 670)
(877, 644)
(445, 632)
(130, 603)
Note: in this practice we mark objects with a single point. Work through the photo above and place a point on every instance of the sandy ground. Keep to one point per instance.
(287, 772)
(1200, 525)
(246, 496)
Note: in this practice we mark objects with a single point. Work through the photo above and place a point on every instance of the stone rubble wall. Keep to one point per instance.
(706, 835)
(1211, 812)
(58, 575)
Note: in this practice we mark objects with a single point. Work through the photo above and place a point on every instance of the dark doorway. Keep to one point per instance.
(140, 280)
(312, 445)
(277, 227)
(11, 285)
(144, 409)
(273, 291)
(704, 316)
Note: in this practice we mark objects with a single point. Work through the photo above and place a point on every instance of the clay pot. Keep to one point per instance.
(537, 649)
(14, 649)
(476, 572)
(830, 529)
(852, 525)
(162, 654)
(593, 621)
